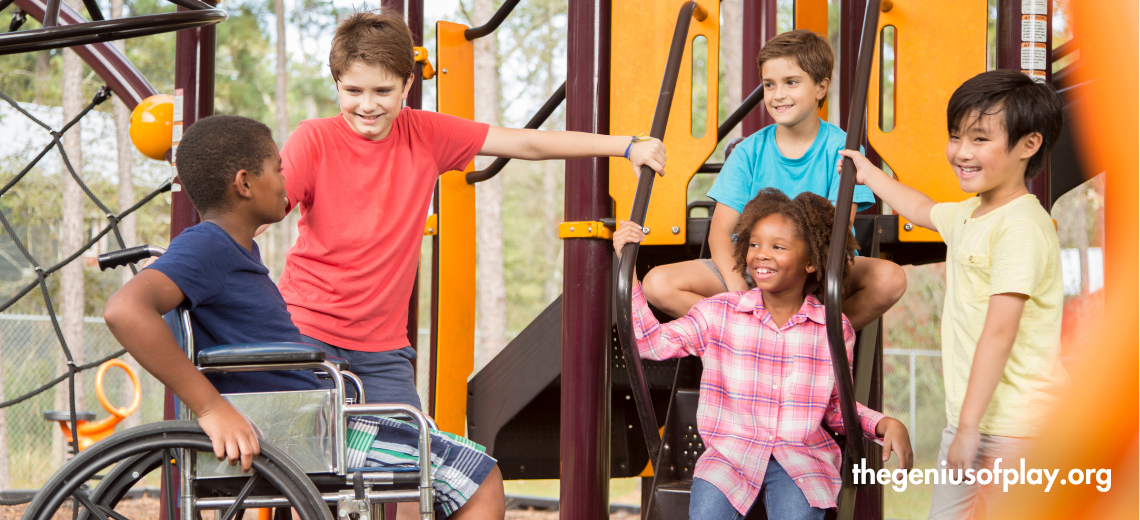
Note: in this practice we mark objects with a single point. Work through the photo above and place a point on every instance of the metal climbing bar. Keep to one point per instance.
(628, 262)
(539, 118)
(68, 29)
(837, 257)
(496, 20)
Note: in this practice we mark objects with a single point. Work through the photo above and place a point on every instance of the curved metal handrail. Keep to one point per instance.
(475, 33)
(129, 85)
(539, 118)
(626, 266)
(836, 257)
(85, 33)
(745, 108)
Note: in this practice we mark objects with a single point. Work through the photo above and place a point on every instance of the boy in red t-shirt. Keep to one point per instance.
(364, 179)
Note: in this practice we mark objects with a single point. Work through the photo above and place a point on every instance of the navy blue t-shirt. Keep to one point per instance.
(232, 300)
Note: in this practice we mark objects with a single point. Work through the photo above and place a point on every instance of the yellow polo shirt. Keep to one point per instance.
(1012, 249)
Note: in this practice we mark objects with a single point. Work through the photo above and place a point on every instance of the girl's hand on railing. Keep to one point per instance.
(863, 167)
(897, 440)
(627, 231)
(651, 153)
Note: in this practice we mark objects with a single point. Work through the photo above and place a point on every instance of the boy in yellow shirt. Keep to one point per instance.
(1001, 319)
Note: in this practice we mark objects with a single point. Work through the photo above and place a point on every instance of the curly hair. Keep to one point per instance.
(213, 149)
(812, 215)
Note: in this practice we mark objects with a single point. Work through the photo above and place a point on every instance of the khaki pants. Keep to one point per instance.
(961, 502)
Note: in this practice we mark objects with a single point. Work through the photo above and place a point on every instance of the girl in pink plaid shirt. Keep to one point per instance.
(767, 386)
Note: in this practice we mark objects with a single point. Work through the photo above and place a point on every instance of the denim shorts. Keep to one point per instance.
(388, 377)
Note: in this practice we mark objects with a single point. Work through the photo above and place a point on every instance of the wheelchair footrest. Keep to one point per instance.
(260, 354)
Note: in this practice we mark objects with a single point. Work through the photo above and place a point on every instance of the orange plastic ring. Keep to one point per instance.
(121, 412)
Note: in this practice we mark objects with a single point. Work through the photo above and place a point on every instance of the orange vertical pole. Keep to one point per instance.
(454, 354)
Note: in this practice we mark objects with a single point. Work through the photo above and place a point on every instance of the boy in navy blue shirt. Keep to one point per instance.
(231, 170)
(795, 155)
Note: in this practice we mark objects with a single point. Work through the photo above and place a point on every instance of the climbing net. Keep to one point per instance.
(42, 272)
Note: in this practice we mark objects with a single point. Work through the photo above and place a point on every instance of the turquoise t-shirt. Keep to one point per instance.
(756, 163)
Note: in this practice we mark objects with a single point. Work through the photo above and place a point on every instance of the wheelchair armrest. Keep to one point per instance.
(340, 364)
(260, 354)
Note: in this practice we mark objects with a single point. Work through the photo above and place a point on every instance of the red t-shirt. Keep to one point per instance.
(348, 279)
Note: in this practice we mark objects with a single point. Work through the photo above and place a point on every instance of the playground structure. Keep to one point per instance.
(88, 429)
(612, 87)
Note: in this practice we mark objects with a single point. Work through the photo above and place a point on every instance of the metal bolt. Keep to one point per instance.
(676, 230)
(445, 71)
(590, 229)
(571, 228)
(134, 474)
(908, 226)
(645, 230)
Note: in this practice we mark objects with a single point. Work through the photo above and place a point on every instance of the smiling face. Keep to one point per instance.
(370, 98)
(790, 95)
(980, 154)
(778, 259)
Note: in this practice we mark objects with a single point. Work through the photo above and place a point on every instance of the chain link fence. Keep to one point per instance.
(33, 448)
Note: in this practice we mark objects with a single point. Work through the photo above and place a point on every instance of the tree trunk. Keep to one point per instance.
(71, 233)
(127, 226)
(731, 45)
(277, 239)
(491, 290)
(551, 172)
(43, 71)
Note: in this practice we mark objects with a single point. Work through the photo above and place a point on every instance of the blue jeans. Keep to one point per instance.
(388, 377)
(782, 499)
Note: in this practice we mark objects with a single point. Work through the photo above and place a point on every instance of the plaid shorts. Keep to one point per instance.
(459, 465)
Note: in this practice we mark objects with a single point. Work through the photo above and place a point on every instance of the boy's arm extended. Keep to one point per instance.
(537, 145)
(723, 223)
(994, 346)
(912, 204)
(134, 315)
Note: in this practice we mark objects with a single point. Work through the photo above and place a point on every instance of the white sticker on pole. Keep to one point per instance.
(1034, 7)
(1033, 56)
(1034, 28)
(1036, 75)
(177, 105)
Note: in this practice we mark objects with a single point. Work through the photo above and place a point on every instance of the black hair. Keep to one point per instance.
(213, 149)
(812, 215)
(1027, 106)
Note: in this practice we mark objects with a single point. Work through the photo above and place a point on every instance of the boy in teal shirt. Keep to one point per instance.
(795, 155)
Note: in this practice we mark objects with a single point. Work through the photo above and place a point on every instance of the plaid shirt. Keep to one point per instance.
(764, 392)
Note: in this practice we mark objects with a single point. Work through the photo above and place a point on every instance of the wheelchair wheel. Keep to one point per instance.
(129, 456)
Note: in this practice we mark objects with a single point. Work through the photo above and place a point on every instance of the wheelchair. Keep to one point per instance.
(303, 463)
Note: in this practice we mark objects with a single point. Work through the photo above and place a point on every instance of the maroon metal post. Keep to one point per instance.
(1010, 23)
(584, 444)
(413, 13)
(193, 61)
(851, 14)
(759, 27)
